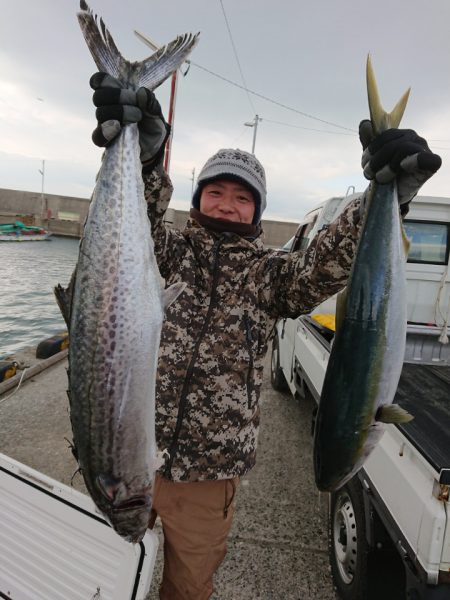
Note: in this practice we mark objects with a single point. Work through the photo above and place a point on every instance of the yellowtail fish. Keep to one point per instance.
(368, 350)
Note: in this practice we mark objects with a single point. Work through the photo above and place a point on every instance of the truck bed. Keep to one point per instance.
(424, 391)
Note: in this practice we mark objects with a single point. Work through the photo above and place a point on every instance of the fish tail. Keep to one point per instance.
(382, 120)
(393, 413)
(64, 298)
(150, 72)
(100, 43)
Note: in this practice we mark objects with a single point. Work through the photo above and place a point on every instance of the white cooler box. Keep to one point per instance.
(54, 545)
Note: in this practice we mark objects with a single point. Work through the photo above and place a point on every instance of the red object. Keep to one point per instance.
(171, 119)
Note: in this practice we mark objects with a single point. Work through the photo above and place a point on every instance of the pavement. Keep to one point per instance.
(277, 549)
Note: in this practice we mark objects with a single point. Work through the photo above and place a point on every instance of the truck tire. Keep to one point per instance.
(358, 570)
(276, 374)
(347, 542)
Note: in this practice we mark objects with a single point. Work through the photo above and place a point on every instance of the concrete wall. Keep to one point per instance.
(51, 211)
(48, 211)
(18, 202)
(276, 233)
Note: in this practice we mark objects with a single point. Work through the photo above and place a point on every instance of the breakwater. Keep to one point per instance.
(65, 215)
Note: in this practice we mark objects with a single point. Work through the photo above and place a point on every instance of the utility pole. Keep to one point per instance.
(44, 204)
(192, 179)
(254, 124)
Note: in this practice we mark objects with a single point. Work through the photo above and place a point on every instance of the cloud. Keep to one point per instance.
(313, 62)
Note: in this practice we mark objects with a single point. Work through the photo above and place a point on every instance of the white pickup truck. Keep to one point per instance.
(389, 527)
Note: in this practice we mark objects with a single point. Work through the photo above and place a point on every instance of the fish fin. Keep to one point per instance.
(110, 486)
(405, 240)
(64, 299)
(100, 43)
(160, 459)
(74, 474)
(393, 413)
(382, 120)
(341, 302)
(73, 448)
(171, 293)
(150, 72)
(154, 70)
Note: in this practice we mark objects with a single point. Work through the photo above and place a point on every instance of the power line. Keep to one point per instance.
(309, 128)
(236, 55)
(285, 106)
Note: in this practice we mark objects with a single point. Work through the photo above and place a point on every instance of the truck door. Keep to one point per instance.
(289, 326)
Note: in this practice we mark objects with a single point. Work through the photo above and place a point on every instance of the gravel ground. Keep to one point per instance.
(278, 544)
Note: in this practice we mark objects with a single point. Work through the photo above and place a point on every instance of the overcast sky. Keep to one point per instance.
(309, 56)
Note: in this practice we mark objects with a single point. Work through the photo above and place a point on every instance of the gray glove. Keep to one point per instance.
(397, 153)
(118, 107)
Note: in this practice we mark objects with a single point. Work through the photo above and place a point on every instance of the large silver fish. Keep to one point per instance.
(368, 350)
(114, 308)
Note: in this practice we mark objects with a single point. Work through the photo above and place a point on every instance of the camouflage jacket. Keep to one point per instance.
(215, 335)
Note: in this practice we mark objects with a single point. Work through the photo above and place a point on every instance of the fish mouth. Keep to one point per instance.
(134, 503)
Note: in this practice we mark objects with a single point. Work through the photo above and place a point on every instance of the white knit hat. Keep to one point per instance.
(235, 164)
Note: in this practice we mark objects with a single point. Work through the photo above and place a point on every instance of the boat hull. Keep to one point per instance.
(25, 238)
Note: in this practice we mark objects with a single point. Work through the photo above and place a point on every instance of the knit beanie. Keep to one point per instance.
(237, 165)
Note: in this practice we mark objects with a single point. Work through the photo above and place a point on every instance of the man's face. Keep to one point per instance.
(227, 200)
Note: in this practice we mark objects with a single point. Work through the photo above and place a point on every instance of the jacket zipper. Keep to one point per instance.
(190, 369)
(249, 340)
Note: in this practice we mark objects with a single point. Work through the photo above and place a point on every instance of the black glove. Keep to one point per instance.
(118, 106)
(399, 153)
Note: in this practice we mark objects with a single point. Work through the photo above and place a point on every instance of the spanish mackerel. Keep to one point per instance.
(368, 350)
(115, 307)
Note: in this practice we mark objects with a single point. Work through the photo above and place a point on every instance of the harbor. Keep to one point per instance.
(29, 271)
(278, 544)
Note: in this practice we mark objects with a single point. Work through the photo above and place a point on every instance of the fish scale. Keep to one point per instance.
(114, 308)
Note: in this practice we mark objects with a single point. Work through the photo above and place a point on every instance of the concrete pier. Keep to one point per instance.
(278, 545)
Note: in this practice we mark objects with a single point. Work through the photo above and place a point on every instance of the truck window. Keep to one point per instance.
(429, 242)
(288, 245)
(301, 240)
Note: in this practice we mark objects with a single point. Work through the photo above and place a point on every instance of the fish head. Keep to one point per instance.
(333, 470)
(128, 511)
(130, 520)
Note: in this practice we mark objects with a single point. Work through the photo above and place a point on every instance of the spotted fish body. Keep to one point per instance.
(116, 312)
(368, 350)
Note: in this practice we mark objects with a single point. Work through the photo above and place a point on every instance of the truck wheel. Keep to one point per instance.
(276, 374)
(347, 543)
(358, 570)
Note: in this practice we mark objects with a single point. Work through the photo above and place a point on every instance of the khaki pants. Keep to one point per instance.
(196, 519)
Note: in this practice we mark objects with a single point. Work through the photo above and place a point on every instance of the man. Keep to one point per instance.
(215, 335)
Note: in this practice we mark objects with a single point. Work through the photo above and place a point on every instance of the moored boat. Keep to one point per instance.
(19, 232)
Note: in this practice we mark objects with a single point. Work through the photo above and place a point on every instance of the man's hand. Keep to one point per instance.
(397, 153)
(118, 107)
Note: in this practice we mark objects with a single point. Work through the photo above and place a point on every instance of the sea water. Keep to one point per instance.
(28, 273)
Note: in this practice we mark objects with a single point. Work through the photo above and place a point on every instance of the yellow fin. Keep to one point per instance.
(393, 413)
(382, 120)
(405, 240)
